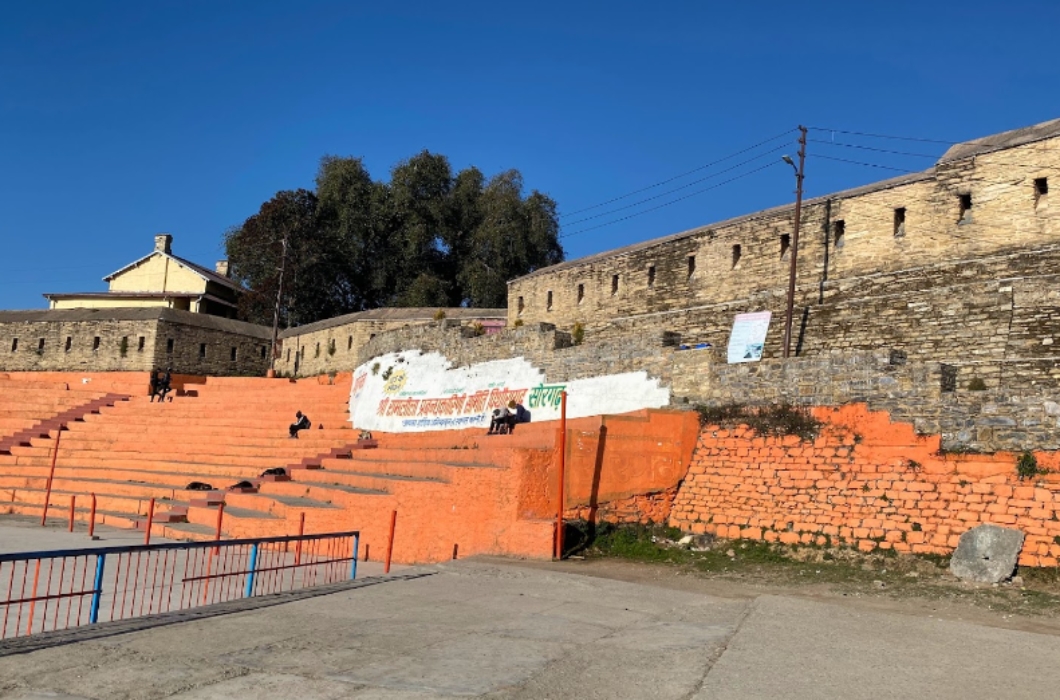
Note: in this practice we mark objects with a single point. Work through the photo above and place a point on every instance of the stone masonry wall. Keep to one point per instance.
(1016, 406)
(335, 345)
(864, 482)
(853, 256)
(78, 345)
(130, 340)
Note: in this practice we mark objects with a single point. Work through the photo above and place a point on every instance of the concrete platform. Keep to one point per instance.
(502, 631)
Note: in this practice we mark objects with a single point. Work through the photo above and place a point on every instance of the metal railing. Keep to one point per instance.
(45, 591)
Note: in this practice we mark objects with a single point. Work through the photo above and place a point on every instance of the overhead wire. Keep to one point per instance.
(682, 187)
(679, 199)
(858, 162)
(870, 148)
(681, 175)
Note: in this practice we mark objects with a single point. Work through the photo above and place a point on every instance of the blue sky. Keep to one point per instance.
(122, 119)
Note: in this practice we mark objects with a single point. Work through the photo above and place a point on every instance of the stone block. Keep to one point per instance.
(986, 554)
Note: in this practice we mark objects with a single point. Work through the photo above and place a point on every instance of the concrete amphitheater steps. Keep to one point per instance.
(458, 488)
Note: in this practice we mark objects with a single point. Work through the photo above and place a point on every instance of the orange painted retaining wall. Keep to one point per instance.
(864, 482)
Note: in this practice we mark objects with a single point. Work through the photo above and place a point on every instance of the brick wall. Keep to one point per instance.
(864, 482)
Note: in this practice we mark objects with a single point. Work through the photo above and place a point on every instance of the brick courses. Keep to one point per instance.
(865, 482)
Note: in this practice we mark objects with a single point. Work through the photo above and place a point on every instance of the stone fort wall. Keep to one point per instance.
(904, 263)
(130, 340)
(334, 345)
(978, 405)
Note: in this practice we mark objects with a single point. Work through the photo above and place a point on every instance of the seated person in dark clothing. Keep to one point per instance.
(301, 423)
(519, 415)
(499, 422)
(163, 386)
(156, 380)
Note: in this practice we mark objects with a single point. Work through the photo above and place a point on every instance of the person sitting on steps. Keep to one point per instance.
(499, 421)
(301, 423)
(164, 385)
(156, 382)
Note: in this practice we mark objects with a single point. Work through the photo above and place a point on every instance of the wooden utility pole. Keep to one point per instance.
(279, 300)
(799, 174)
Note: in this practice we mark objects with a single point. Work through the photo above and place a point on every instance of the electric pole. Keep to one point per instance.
(799, 174)
(279, 299)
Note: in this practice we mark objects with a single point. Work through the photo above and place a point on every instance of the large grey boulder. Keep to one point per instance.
(987, 554)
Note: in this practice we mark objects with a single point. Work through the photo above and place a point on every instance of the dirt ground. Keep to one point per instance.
(905, 585)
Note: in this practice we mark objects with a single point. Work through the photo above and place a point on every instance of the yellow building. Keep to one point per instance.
(161, 279)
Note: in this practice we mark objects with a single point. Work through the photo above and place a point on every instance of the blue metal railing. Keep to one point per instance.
(44, 591)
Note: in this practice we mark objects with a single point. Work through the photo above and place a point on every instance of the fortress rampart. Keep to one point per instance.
(934, 263)
(130, 340)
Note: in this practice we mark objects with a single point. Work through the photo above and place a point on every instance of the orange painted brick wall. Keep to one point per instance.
(864, 482)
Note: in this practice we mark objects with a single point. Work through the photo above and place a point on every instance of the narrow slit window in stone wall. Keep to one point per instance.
(899, 221)
(263, 352)
(691, 266)
(169, 346)
(520, 306)
(95, 343)
(14, 345)
(69, 343)
(785, 244)
(232, 355)
(737, 253)
(40, 345)
(548, 301)
(839, 232)
(1041, 188)
(202, 351)
(349, 343)
(964, 214)
(651, 276)
(288, 354)
(140, 344)
(581, 292)
(614, 285)
(316, 353)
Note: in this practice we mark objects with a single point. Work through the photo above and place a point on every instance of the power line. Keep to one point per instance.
(870, 148)
(858, 162)
(678, 177)
(666, 204)
(678, 189)
(885, 136)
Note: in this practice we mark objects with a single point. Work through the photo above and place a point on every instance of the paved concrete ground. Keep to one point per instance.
(501, 631)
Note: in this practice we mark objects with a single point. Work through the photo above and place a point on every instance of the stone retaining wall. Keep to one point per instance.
(864, 482)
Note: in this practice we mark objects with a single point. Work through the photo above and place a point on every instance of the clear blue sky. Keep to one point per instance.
(122, 119)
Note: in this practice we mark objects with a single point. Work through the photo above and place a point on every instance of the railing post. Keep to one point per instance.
(33, 599)
(73, 501)
(92, 519)
(97, 590)
(298, 545)
(390, 542)
(562, 473)
(353, 565)
(51, 477)
(150, 521)
(220, 519)
(249, 592)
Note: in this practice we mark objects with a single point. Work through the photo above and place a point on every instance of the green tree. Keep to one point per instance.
(426, 238)
(255, 251)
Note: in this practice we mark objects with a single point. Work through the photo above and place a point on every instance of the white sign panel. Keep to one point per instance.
(748, 336)
(414, 392)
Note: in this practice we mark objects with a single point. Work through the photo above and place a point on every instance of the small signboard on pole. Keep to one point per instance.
(748, 337)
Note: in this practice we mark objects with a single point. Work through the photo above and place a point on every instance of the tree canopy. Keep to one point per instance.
(425, 238)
